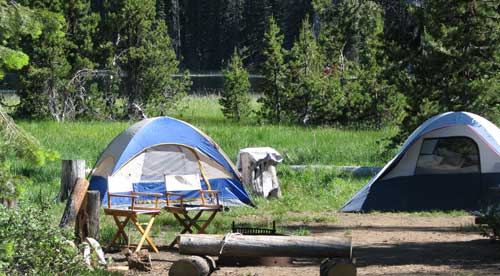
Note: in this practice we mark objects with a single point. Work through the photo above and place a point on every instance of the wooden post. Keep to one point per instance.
(191, 266)
(265, 246)
(87, 221)
(246, 169)
(74, 203)
(70, 171)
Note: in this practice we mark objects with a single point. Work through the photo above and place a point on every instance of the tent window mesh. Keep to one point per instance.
(448, 155)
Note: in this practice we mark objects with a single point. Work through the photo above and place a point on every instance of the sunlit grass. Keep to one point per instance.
(309, 196)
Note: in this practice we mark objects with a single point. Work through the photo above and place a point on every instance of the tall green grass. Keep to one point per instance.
(309, 196)
(299, 145)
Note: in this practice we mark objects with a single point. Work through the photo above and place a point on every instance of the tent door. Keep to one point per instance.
(447, 175)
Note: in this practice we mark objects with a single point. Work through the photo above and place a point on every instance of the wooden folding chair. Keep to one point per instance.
(121, 187)
(188, 211)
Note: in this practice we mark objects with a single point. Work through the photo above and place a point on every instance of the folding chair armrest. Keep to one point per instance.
(210, 191)
(175, 194)
(181, 197)
(147, 194)
(156, 195)
(133, 197)
(212, 194)
(119, 195)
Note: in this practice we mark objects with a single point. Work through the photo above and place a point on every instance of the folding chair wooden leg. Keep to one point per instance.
(192, 222)
(207, 223)
(182, 221)
(145, 233)
(121, 230)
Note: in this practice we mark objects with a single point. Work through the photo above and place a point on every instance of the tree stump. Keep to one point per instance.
(74, 203)
(191, 266)
(71, 170)
(337, 267)
(87, 221)
(258, 171)
(140, 260)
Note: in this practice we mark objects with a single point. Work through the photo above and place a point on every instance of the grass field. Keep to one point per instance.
(309, 196)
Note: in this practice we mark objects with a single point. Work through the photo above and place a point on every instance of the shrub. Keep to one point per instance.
(491, 222)
(31, 245)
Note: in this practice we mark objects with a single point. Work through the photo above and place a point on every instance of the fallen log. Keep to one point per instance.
(265, 246)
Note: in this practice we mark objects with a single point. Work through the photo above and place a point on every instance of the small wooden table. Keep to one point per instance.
(123, 215)
(132, 215)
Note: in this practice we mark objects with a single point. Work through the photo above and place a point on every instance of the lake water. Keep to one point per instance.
(213, 83)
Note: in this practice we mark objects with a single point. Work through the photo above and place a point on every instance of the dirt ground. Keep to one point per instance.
(384, 244)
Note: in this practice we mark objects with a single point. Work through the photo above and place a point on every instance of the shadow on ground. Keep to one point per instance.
(334, 228)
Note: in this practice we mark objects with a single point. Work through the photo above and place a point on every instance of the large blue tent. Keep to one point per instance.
(153, 149)
(450, 162)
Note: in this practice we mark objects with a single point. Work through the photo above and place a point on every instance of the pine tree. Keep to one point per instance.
(255, 13)
(232, 26)
(81, 30)
(235, 100)
(142, 54)
(274, 71)
(17, 21)
(456, 65)
(384, 104)
(44, 80)
(304, 78)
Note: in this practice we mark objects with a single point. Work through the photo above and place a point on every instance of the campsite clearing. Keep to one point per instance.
(385, 244)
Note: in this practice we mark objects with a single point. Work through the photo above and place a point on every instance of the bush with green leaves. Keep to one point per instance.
(491, 221)
(30, 244)
(15, 143)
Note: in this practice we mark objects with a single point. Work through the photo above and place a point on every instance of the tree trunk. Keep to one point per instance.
(190, 266)
(70, 171)
(87, 221)
(74, 203)
(265, 246)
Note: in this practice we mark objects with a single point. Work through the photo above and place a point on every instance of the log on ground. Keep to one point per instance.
(265, 246)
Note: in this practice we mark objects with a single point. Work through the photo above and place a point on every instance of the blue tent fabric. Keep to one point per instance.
(166, 131)
(380, 194)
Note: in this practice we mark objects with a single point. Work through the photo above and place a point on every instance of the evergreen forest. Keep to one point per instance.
(323, 62)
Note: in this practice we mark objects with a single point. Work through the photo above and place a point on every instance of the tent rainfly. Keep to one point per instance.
(160, 148)
(450, 162)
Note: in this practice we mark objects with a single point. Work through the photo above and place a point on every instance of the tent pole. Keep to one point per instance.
(202, 170)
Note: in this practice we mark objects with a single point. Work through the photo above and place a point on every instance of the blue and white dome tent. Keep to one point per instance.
(148, 151)
(450, 162)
